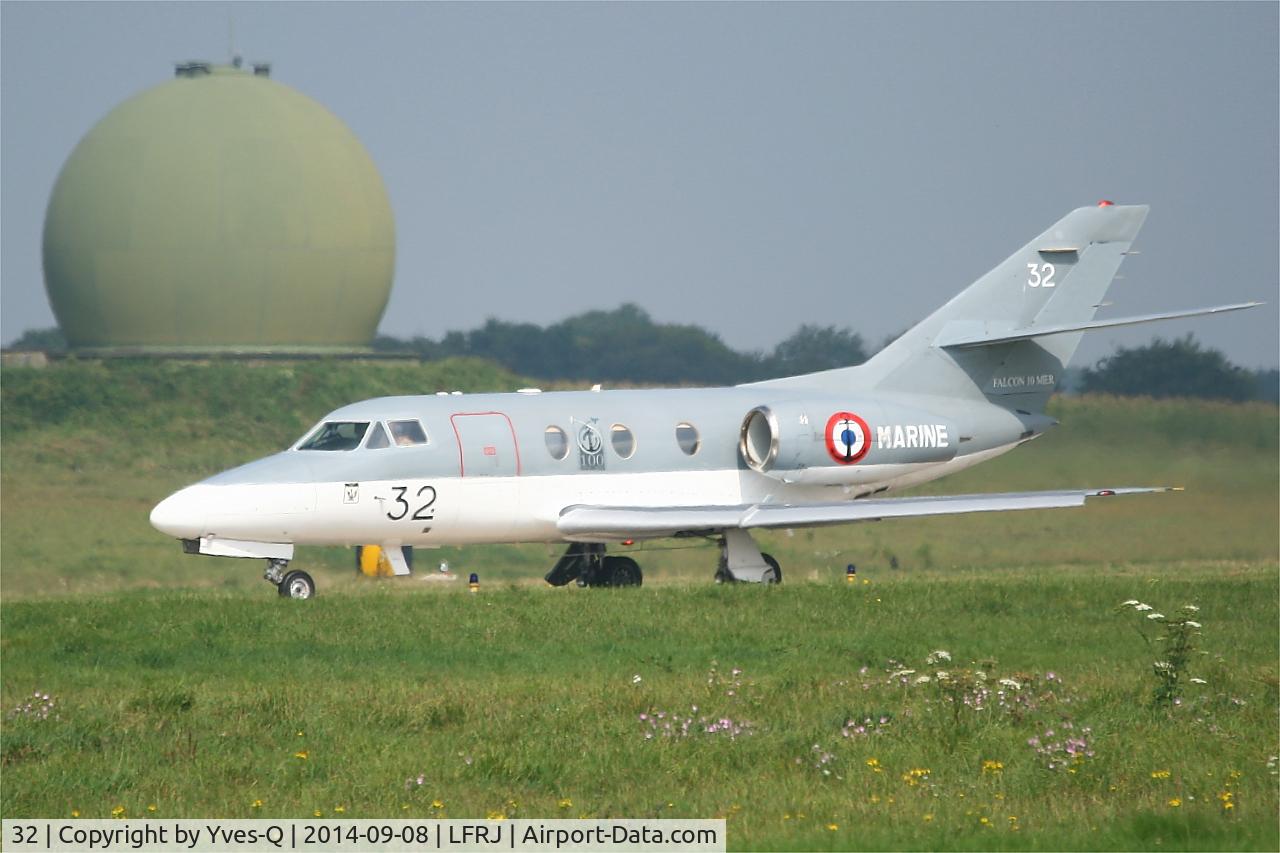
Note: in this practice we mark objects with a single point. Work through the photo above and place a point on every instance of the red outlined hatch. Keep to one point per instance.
(487, 444)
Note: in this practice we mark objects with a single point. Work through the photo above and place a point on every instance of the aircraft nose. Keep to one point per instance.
(181, 515)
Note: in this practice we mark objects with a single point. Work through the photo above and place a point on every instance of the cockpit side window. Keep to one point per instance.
(407, 433)
(377, 438)
(336, 435)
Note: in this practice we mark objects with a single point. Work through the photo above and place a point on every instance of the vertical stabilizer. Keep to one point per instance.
(1059, 278)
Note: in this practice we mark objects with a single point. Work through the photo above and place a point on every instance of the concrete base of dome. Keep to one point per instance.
(233, 352)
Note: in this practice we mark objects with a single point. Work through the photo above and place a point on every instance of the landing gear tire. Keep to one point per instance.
(774, 573)
(587, 564)
(297, 584)
(621, 571)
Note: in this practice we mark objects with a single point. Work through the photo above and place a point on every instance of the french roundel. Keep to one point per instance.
(848, 437)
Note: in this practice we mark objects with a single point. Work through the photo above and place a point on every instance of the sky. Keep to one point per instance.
(746, 167)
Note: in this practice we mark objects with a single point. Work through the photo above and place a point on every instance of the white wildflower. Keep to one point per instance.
(937, 657)
(1191, 624)
(1012, 684)
(1142, 607)
(1155, 615)
(902, 673)
(1198, 681)
(635, 679)
(923, 679)
(1191, 608)
(1133, 602)
(1163, 666)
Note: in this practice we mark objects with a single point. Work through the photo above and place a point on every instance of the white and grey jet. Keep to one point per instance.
(587, 468)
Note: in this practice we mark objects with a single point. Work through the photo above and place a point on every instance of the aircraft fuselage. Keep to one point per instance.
(502, 467)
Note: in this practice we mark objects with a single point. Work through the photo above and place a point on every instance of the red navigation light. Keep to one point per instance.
(628, 541)
(1105, 203)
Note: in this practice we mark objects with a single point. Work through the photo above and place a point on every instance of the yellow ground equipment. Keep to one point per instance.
(371, 561)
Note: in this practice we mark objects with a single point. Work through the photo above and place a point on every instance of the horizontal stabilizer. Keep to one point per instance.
(973, 333)
(601, 523)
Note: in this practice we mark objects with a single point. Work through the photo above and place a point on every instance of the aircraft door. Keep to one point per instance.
(486, 445)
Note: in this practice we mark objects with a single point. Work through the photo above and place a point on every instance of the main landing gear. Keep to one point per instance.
(586, 563)
(291, 584)
(740, 560)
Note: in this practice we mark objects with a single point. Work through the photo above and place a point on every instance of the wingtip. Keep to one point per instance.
(1132, 490)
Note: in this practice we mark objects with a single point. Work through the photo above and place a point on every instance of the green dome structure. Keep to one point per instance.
(220, 211)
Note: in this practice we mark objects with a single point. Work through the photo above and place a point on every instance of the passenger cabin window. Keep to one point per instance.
(687, 438)
(336, 435)
(624, 443)
(377, 438)
(557, 442)
(407, 433)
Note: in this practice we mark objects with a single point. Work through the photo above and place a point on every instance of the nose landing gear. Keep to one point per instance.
(291, 584)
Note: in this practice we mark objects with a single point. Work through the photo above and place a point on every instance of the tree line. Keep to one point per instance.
(1181, 367)
(625, 345)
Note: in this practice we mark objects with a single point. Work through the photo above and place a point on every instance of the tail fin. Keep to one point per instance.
(1057, 280)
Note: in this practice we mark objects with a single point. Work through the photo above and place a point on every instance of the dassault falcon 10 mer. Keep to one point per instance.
(586, 468)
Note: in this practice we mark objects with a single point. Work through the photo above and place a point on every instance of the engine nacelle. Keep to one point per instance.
(843, 442)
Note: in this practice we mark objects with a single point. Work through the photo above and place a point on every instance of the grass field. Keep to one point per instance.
(184, 684)
(525, 702)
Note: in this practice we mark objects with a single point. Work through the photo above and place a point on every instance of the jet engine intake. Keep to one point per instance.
(759, 441)
(842, 441)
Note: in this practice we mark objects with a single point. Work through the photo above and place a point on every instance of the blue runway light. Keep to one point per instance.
(851, 574)
(474, 583)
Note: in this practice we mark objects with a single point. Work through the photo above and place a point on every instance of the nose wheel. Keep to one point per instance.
(290, 583)
(298, 584)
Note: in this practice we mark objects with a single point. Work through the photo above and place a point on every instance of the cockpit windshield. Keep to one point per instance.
(335, 435)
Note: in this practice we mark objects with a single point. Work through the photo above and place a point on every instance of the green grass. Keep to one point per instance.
(182, 682)
(199, 703)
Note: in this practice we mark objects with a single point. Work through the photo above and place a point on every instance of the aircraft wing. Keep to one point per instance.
(607, 523)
